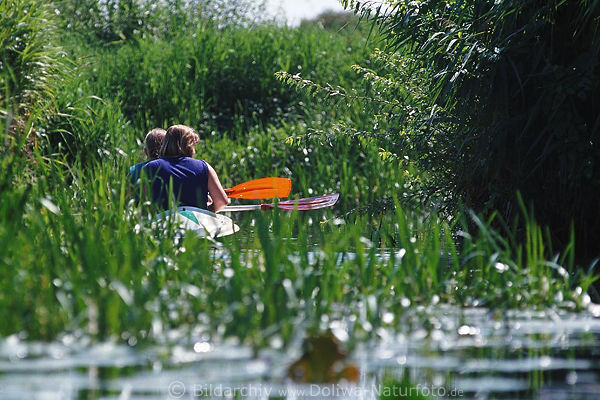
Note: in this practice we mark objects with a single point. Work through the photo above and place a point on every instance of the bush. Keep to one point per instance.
(511, 103)
(122, 21)
(213, 77)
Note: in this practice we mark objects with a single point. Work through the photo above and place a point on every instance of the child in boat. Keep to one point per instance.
(178, 176)
(152, 144)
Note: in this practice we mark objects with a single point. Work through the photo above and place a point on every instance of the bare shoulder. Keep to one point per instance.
(210, 168)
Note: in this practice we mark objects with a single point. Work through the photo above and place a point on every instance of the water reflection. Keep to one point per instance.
(477, 353)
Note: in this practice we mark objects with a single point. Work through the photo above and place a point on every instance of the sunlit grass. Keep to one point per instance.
(97, 267)
(78, 255)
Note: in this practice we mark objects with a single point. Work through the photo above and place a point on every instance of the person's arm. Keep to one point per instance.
(216, 191)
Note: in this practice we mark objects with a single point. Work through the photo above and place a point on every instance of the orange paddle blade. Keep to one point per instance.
(264, 188)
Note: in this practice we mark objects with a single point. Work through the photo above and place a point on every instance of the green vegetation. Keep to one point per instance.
(78, 255)
(499, 97)
(95, 263)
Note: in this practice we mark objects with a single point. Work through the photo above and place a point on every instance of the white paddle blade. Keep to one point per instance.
(202, 222)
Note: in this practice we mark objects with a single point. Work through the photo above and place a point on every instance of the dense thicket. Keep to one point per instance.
(123, 67)
(117, 21)
(510, 101)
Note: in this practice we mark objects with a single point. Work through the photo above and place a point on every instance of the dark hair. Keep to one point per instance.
(179, 142)
(153, 142)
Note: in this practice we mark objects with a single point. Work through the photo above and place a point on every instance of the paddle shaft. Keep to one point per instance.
(311, 203)
(247, 207)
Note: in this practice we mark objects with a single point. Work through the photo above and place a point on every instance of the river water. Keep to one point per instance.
(445, 351)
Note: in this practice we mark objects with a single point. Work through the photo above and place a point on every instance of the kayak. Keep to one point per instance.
(208, 224)
(201, 222)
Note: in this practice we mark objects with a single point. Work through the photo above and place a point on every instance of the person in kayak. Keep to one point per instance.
(179, 178)
(152, 144)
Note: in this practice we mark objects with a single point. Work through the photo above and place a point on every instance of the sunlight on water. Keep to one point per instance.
(467, 353)
(473, 353)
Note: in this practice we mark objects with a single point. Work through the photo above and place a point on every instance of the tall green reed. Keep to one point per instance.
(214, 78)
(71, 235)
(30, 61)
(99, 268)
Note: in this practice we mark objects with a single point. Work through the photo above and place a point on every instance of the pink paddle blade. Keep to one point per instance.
(310, 203)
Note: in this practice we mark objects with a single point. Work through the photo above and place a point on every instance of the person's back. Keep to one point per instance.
(178, 179)
(186, 176)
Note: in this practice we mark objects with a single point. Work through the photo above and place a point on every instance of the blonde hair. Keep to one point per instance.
(153, 142)
(179, 142)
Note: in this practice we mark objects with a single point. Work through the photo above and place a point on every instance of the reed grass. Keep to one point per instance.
(215, 78)
(97, 267)
(80, 256)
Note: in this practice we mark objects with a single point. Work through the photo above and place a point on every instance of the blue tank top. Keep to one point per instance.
(189, 178)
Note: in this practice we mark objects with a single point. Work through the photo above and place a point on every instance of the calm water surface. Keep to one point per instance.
(446, 352)
(469, 353)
